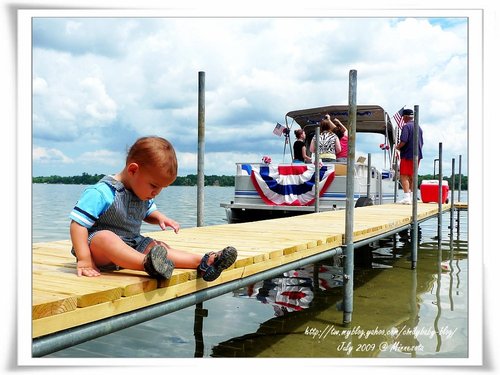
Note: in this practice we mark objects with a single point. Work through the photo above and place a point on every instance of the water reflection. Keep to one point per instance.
(295, 290)
(403, 335)
(390, 303)
(199, 314)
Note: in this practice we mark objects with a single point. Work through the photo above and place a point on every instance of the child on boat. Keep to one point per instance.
(106, 221)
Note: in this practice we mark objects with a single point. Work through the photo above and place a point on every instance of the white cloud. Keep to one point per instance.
(72, 27)
(187, 161)
(103, 157)
(39, 86)
(50, 155)
(98, 105)
(140, 76)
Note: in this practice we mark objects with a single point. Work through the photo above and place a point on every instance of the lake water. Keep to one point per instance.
(398, 313)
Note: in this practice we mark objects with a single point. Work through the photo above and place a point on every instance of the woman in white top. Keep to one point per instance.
(328, 143)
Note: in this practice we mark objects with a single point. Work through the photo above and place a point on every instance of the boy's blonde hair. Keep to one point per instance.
(155, 152)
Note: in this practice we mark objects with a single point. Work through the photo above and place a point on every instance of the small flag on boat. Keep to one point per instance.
(278, 129)
(398, 116)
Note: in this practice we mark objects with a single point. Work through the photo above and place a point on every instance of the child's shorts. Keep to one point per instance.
(139, 243)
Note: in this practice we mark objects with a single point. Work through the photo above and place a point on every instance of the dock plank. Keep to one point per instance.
(86, 292)
(51, 303)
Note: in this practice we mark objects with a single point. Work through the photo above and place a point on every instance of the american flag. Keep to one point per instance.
(278, 129)
(398, 116)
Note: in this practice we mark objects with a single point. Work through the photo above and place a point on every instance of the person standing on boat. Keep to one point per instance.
(341, 132)
(106, 220)
(328, 143)
(405, 147)
(299, 148)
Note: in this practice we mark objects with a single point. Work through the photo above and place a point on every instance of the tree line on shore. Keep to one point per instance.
(88, 179)
(464, 182)
(212, 180)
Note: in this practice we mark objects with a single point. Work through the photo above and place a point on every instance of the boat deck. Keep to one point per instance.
(61, 300)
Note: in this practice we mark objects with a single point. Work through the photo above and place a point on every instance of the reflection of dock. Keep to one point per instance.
(386, 302)
(63, 303)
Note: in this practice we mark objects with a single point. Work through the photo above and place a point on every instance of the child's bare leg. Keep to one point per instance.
(181, 259)
(107, 247)
(210, 265)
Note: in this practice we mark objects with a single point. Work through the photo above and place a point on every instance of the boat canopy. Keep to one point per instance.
(369, 119)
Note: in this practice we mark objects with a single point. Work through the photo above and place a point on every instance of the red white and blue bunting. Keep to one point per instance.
(290, 185)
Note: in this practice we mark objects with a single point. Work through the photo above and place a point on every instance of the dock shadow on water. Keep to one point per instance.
(397, 312)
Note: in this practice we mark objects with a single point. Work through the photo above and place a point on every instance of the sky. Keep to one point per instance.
(99, 83)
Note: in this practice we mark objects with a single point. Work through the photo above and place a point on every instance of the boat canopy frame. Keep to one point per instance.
(369, 119)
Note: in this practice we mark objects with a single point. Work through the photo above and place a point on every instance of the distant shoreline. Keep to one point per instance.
(191, 180)
(87, 179)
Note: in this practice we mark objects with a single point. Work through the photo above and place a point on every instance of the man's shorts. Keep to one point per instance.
(406, 167)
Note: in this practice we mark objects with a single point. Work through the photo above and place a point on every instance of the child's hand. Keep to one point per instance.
(167, 222)
(85, 268)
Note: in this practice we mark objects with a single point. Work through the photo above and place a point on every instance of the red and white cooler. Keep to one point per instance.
(429, 191)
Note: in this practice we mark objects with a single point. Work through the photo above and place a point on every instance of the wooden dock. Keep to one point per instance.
(61, 300)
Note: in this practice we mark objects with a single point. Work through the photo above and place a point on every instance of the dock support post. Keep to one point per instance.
(201, 150)
(440, 187)
(316, 170)
(369, 175)
(200, 203)
(452, 208)
(348, 266)
(396, 179)
(459, 176)
(435, 160)
(414, 189)
(459, 190)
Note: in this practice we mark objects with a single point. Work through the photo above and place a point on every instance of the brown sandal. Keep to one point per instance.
(223, 259)
(156, 263)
